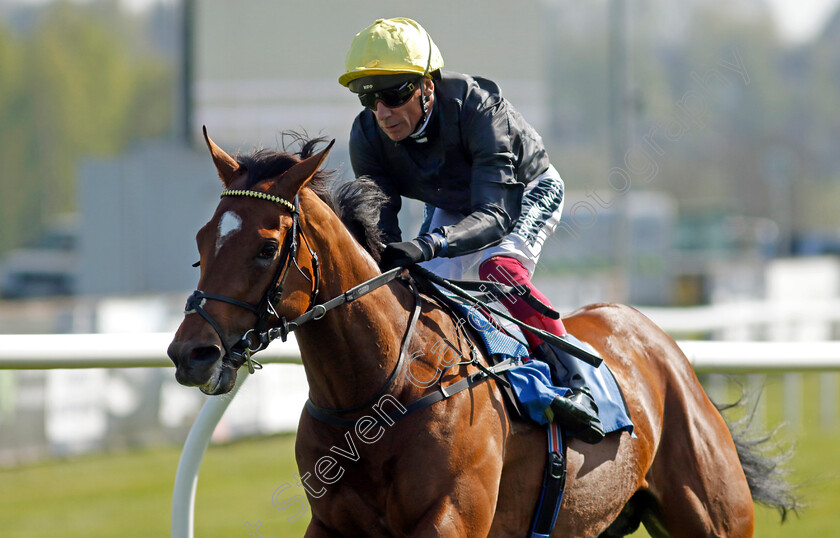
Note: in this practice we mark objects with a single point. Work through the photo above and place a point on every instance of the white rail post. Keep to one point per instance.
(186, 478)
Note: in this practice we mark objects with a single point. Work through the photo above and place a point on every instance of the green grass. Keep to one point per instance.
(129, 494)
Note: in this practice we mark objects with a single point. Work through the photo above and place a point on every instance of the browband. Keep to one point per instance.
(262, 196)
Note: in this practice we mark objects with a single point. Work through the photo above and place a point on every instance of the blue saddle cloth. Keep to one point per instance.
(531, 380)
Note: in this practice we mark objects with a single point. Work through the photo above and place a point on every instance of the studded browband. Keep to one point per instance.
(262, 196)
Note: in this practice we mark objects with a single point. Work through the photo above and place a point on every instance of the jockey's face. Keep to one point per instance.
(400, 121)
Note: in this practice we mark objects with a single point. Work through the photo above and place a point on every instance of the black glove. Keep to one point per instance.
(421, 249)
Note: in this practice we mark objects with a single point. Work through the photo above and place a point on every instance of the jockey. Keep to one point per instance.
(453, 142)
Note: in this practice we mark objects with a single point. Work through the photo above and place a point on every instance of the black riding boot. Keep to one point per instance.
(576, 411)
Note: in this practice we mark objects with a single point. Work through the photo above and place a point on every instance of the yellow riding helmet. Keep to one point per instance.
(388, 47)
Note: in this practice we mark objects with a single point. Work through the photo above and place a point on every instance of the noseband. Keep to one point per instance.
(265, 309)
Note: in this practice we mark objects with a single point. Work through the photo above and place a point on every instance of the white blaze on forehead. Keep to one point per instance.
(229, 224)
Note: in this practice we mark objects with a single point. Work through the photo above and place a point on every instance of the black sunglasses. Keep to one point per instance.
(391, 97)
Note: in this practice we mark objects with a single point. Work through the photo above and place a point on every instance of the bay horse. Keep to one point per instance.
(279, 243)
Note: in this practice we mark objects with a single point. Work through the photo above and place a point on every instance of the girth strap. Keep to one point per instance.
(553, 485)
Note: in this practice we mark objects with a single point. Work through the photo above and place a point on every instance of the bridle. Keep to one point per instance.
(243, 349)
(260, 336)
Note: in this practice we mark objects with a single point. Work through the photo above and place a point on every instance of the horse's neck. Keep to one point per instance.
(351, 352)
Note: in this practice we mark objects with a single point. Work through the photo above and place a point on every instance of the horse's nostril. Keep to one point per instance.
(205, 354)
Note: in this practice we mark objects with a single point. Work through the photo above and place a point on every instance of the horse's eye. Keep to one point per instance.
(268, 251)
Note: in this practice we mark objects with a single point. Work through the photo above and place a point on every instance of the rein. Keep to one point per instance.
(334, 417)
(495, 290)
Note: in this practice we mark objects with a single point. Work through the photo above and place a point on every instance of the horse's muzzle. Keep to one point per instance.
(203, 366)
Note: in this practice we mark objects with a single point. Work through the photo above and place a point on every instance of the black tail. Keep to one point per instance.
(762, 461)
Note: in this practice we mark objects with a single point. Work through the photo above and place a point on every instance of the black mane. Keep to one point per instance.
(356, 202)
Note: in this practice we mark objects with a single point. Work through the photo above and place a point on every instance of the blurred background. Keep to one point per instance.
(698, 142)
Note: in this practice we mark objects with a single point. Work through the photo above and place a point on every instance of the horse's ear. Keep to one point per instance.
(297, 176)
(225, 164)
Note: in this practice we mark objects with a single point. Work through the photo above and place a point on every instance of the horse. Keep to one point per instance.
(280, 241)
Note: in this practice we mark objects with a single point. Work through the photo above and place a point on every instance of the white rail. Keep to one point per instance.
(130, 350)
(744, 313)
(719, 356)
(48, 351)
(148, 350)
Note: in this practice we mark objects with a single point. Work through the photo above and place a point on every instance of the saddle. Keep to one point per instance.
(560, 361)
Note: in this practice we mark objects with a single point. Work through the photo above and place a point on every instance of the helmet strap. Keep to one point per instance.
(424, 101)
(419, 134)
